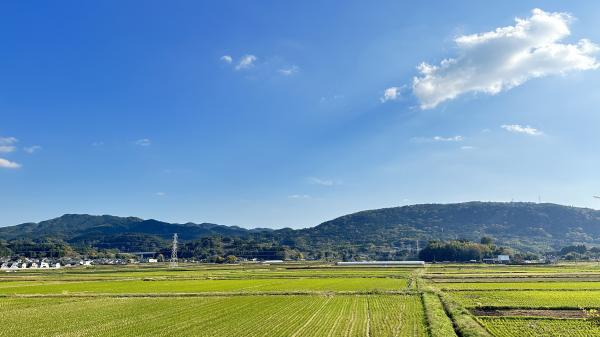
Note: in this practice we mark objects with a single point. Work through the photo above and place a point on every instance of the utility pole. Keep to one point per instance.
(173, 262)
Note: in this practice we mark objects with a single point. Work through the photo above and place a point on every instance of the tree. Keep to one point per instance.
(230, 259)
(486, 240)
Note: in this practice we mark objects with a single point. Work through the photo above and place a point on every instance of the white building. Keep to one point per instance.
(57, 265)
(382, 263)
(44, 265)
(152, 260)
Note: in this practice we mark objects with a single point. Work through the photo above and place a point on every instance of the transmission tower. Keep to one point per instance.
(173, 262)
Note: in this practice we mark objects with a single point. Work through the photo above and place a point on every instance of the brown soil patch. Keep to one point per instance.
(558, 313)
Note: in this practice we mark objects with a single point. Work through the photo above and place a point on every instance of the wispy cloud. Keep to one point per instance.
(516, 128)
(246, 62)
(437, 139)
(143, 142)
(322, 182)
(289, 70)
(505, 58)
(160, 194)
(7, 148)
(32, 149)
(227, 59)
(299, 196)
(467, 148)
(7, 144)
(5, 163)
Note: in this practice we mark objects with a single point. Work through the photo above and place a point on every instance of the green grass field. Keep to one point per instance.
(389, 315)
(301, 300)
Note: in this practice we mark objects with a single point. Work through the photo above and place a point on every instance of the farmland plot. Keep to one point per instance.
(529, 298)
(374, 315)
(534, 327)
(200, 286)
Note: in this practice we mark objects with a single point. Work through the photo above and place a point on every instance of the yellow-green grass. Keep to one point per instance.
(538, 284)
(201, 272)
(540, 327)
(439, 324)
(199, 286)
(528, 298)
(389, 315)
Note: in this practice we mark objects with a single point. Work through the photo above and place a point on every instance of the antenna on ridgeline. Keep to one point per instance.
(173, 262)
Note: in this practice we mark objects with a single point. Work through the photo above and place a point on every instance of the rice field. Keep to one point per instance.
(201, 286)
(532, 327)
(371, 315)
(302, 300)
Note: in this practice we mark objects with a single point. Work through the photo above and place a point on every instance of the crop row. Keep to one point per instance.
(542, 327)
(204, 273)
(192, 286)
(389, 315)
(519, 285)
(528, 298)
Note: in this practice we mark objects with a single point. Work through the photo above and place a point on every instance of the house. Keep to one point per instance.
(152, 260)
(57, 265)
(44, 264)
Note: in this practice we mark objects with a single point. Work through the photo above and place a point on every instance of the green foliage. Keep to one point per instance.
(454, 251)
(439, 323)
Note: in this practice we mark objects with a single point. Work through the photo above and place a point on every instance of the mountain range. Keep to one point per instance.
(520, 225)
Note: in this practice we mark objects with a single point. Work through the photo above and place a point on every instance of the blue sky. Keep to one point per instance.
(273, 114)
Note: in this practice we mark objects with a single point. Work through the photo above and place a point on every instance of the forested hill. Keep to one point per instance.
(515, 223)
(75, 227)
(528, 226)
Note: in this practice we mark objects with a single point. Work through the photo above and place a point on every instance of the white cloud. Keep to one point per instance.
(7, 148)
(32, 149)
(467, 148)
(227, 59)
(299, 196)
(289, 71)
(4, 163)
(505, 58)
(322, 182)
(8, 140)
(448, 139)
(97, 143)
(516, 128)
(437, 139)
(143, 142)
(246, 62)
(390, 94)
(160, 194)
(7, 144)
